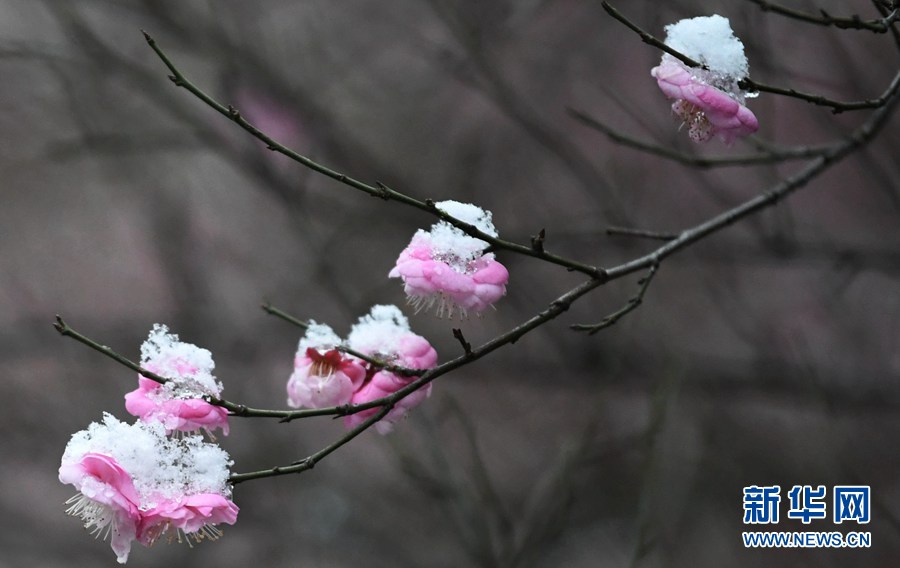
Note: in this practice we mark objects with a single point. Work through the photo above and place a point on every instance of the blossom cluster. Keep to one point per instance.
(708, 100)
(138, 482)
(325, 376)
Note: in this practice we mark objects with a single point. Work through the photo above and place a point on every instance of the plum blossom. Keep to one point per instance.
(323, 376)
(135, 483)
(709, 101)
(194, 516)
(178, 404)
(106, 500)
(447, 268)
(385, 335)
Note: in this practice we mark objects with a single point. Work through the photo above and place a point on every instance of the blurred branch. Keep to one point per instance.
(823, 18)
(751, 85)
(765, 157)
(499, 91)
(627, 232)
(629, 306)
(885, 8)
(662, 399)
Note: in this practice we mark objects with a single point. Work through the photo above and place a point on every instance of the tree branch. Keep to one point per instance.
(629, 306)
(854, 22)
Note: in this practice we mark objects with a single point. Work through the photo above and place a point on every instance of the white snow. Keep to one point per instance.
(190, 367)
(318, 336)
(379, 330)
(160, 467)
(452, 245)
(710, 40)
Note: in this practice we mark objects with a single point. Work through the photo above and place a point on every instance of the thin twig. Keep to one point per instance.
(273, 311)
(883, 8)
(66, 331)
(854, 22)
(649, 38)
(766, 157)
(629, 306)
(458, 334)
(627, 232)
(311, 460)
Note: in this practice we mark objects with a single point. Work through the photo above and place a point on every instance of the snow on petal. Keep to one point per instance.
(708, 101)
(385, 334)
(178, 403)
(124, 471)
(448, 268)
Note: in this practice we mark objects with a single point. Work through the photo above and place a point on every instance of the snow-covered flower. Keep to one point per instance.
(446, 267)
(191, 518)
(384, 334)
(135, 483)
(106, 501)
(323, 376)
(709, 101)
(178, 403)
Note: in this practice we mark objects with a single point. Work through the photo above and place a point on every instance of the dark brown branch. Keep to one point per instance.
(649, 39)
(63, 328)
(311, 460)
(458, 334)
(626, 232)
(823, 18)
(631, 305)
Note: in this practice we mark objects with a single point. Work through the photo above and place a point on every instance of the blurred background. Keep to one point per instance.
(766, 354)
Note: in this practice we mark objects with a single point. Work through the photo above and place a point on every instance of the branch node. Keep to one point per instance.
(458, 334)
(537, 241)
(383, 191)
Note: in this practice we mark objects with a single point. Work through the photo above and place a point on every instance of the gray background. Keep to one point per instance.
(764, 355)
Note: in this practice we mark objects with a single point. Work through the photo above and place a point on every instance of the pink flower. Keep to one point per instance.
(384, 383)
(431, 277)
(707, 110)
(325, 379)
(178, 404)
(107, 501)
(444, 266)
(385, 334)
(136, 483)
(150, 402)
(194, 516)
